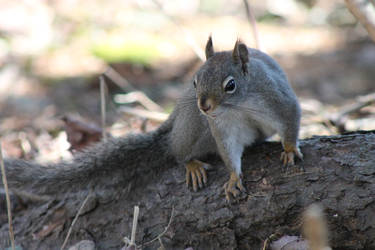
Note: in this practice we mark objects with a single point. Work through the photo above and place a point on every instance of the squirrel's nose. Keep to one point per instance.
(206, 108)
(205, 104)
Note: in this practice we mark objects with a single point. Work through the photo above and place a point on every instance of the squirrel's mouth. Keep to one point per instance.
(210, 113)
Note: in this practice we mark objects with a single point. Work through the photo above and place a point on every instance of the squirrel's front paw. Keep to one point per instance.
(287, 156)
(233, 187)
(196, 173)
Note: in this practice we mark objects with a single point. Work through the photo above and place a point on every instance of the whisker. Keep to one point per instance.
(186, 104)
(190, 96)
(242, 108)
(187, 101)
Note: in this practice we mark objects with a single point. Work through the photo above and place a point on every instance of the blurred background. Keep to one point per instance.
(52, 54)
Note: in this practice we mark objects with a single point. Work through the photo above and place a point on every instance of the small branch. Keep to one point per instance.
(339, 118)
(362, 101)
(130, 244)
(138, 96)
(119, 80)
(75, 220)
(364, 11)
(165, 230)
(156, 116)
(162, 247)
(267, 241)
(134, 228)
(102, 102)
(5, 183)
(127, 87)
(252, 22)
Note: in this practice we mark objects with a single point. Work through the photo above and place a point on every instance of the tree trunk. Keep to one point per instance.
(339, 174)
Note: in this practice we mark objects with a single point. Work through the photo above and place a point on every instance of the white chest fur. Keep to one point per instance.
(236, 132)
(236, 128)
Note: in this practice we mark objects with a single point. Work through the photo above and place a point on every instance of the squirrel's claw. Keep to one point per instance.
(233, 187)
(196, 173)
(287, 156)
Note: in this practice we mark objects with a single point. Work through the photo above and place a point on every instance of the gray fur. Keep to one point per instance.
(190, 136)
(209, 50)
(263, 104)
(265, 92)
(115, 164)
(240, 56)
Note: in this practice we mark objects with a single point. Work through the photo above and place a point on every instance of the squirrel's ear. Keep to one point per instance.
(241, 55)
(209, 48)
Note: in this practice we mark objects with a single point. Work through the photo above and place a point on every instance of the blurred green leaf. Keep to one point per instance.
(132, 51)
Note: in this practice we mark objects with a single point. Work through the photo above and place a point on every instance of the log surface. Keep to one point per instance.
(339, 174)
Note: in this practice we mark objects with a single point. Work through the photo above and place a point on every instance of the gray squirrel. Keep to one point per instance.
(237, 98)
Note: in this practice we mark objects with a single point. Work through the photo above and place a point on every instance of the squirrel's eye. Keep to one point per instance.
(195, 83)
(230, 86)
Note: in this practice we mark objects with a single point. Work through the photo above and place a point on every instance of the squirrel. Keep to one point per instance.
(237, 98)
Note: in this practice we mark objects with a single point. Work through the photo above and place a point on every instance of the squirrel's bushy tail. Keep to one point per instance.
(116, 163)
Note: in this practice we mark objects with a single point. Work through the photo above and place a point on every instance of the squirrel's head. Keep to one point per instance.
(221, 80)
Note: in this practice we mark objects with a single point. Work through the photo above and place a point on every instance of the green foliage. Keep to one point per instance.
(132, 51)
(269, 17)
(169, 107)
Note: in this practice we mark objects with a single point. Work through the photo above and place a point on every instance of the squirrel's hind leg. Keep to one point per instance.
(196, 173)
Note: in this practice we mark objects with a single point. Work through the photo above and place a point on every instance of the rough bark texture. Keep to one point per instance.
(340, 174)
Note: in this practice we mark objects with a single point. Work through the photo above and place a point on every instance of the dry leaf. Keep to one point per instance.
(81, 134)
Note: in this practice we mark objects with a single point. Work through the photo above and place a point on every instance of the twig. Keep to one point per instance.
(364, 11)
(188, 37)
(102, 102)
(338, 118)
(266, 242)
(5, 183)
(165, 230)
(131, 243)
(134, 228)
(124, 84)
(252, 21)
(119, 80)
(162, 247)
(75, 220)
(362, 101)
(156, 116)
(138, 96)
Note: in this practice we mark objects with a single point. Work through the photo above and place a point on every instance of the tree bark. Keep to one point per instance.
(339, 174)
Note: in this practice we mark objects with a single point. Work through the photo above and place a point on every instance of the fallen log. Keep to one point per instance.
(339, 174)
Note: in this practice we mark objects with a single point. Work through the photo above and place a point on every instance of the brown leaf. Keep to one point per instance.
(81, 134)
